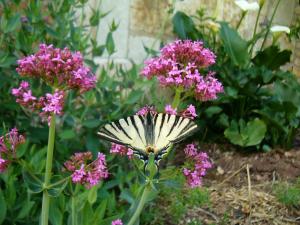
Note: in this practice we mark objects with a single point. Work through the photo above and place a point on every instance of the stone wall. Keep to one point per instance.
(145, 22)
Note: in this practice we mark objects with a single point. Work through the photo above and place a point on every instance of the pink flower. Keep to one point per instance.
(85, 171)
(143, 111)
(51, 103)
(8, 147)
(3, 165)
(200, 163)
(179, 65)
(117, 222)
(78, 174)
(190, 112)
(121, 150)
(59, 67)
(170, 110)
(27, 96)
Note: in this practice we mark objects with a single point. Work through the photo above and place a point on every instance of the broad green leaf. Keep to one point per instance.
(245, 135)
(3, 207)
(235, 46)
(67, 134)
(184, 26)
(232, 133)
(255, 132)
(272, 57)
(212, 110)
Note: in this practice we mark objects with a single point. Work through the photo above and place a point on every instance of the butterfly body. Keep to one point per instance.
(151, 133)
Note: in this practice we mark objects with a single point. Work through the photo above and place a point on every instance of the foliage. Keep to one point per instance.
(24, 25)
(259, 108)
(175, 203)
(288, 194)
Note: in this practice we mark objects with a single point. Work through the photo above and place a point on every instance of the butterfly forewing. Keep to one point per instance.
(155, 130)
(171, 129)
(129, 132)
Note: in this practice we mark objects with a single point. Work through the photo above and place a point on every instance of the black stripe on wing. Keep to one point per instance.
(107, 135)
(187, 131)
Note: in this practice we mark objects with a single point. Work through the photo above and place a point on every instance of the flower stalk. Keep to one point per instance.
(177, 98)
(241, 19)
(48, 173)
(269, 25)
(143, 200)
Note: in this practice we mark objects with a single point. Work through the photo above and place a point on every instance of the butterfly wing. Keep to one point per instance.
(169, 129)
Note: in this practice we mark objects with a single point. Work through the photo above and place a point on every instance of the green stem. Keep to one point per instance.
(73, 210)
(254, 32)
(269, 25)
(45, 204)
(141, 204)
(241, 19)
(176, 99)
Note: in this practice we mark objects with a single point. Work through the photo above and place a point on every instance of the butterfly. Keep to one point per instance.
(150, 133)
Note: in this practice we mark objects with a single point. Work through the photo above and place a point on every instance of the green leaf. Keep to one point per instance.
(235, 46)
(58, 184)
(95, 18)
(3, 207)
(12, 23)
(91, 123)
(245, 135)
(100, 212)
(92, 196)
(33, 182)
(184, 26)
(26, 208)
(212, 110)
(67, 134)
(110, 44)
(134, 97)
(55, 215)
(255, 131)
(272, 57)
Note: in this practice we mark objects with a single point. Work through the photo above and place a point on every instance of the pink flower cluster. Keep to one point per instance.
(46, 105)
(85, 171)
(8, 146)
(121, 150)
(59, 68)
(144, 110)
(200, 163)
(189, 112)
(117, 222)
(182, 64)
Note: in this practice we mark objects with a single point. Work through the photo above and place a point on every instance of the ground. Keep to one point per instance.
(242, 187)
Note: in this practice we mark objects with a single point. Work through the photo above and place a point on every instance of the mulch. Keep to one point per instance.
(241, 186)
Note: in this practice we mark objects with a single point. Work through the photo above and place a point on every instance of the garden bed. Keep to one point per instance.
(238, 197)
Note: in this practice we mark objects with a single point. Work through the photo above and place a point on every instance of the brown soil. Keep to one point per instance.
(242, 188)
